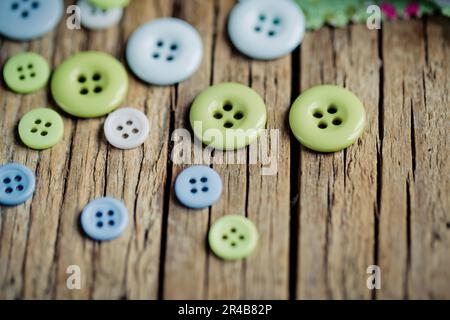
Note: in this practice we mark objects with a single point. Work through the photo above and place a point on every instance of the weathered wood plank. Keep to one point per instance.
(338, 191)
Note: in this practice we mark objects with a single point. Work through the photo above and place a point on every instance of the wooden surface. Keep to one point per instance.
(323, 218)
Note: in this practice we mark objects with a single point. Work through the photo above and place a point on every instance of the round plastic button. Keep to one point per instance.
(228, 116)
(233, 237)
(198, 187)
(41, 128)
(266, 29)
(108, 4)
(164, 51)
(126, 128)
(104, 219)
(96, 19)
(327, 118)
(89, 84)
(17, 184)
(29, 19)
(26, 72)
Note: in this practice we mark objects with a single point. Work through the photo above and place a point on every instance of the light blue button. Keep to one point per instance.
(29, 19)
(198, 187)
(266, 29)
(17, 184)
(164, 51)
(104, 219)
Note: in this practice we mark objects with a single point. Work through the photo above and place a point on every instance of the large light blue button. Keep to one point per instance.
(104, 219)
(198, 187)
(29, 19)
(17, 184)
(266, 29)
(164, 51)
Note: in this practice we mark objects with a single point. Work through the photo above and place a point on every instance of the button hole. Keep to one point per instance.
(233, 230)
(110, 213)
(35, 5)
(44, 133)
(160, 43)
(224, 237)
(174, 47)
(15, 6)
(218, 115)
(204, 179)
(25, 14)
(135, 131)
(98, 89)
(192, 181)
(111, 222)
(239, 116)
(317, 114)
(156, 55)
(48, 124)
(170, 58)
(33, 130)
(6, 180)
(81, 79)
(22, 77)
(125, 136)
(30, 66)
(228, 125)
(129, 123)
(227, 106)
(17, 178)
(322, 125)
(332, 109)
(271, 33)
(8, 190)
(96, 77)
(33, 75)
(276, 21)
(84, 91)
(119, 128)
(20, 69)
(337, 122)
(233, 244)
(99, 224)
(99, 214)
(194, 190)
(205, 189)
(38, 121)
(258, 29)
(262, 17)
(241, 237)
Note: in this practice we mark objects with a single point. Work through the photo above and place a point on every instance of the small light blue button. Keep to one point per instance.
(17, 184)
(29, 19)
(104, 219)
(198, 187)
(266, 29)
(164, 51)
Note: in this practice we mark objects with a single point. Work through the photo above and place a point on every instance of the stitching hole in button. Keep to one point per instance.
(241, 237)
(81, 79)
(262, 17)
(276, 21)
(24, 14)
(233, 244)
(227, 106)
(204, 179)
(35, 5)
(192, 181)
(317, 114)
(322, 125)
(218, 115)
(119, 128)
(224, 237)
(238, 115)
(98, 89)
(6, 180)
(332, 109)
(271, 33)
(258, 29)
(19, 187)
(155, 55)
(8, 190)
(174, 47)
(33, 130)
(170, 58)
(22, 77)
(38, 121)
(30, 66)
(205, 189)
(228, 125)
(129, 123)
(111, 222)
(15, 6)
(135, 130)
(337, 122)
(17, 178)
(44, 133)
(160, 43)
(48, 124)
(233, 230)
(96, 77)
(99, 224)
(99, 214)
(110, 213)
(84, 91)
(193, 190)
(125, 136)
(19, 69)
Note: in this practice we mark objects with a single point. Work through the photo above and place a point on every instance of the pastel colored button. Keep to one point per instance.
(327, 118)
(26, 72)
(108, 4)
(228, 116)
(266, 29)
(126, 128)
(96, 19)
(17, 184)
(89, 84)
(233, 237)
(41, 128)
(104, 219)
(198, 187)
(164, 51)
(29, 19)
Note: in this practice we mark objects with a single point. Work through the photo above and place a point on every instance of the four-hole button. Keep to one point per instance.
(17, 184)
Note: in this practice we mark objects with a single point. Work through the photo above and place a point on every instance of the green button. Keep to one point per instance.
(107, 4)
(233, 237)
(228, 116)
(327, 118)
(89, 84)
(26, 72)
(41, 128)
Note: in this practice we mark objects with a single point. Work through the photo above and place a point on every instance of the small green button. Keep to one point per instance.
(41, 128)
(89, 84)
(108, 4)
(228, 116)
(233, 237)
(26, 72)
(327, 118)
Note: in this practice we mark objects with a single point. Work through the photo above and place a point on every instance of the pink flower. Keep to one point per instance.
(389, 10)
(412, 10)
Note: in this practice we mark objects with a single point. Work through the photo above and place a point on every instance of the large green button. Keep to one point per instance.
(327, 118)
(89, 84)
(108, 4)
(228, 116)
(26, 72)
(233, 237)
(41, 128)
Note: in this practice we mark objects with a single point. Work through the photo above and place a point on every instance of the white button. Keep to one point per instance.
(96, 19)
(266, 29)
(164, 51)
(126, 128)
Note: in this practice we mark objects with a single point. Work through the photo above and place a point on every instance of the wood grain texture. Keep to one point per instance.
(322, 218)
